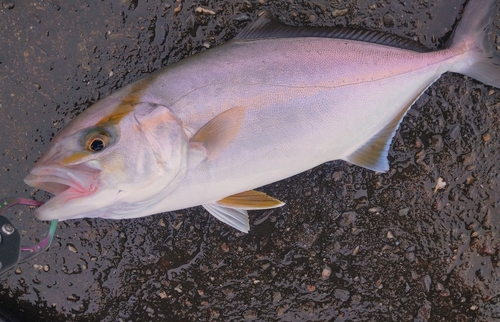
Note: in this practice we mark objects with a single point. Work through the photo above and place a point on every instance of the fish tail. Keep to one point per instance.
(483, 61)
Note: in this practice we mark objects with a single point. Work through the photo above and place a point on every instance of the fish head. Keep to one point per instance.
(100, 165)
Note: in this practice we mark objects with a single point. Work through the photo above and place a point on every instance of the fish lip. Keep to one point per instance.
(65, 183)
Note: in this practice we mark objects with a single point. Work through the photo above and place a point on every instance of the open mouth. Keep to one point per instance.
(64, 183)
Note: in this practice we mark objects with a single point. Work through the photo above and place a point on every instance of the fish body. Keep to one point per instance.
(212, 127)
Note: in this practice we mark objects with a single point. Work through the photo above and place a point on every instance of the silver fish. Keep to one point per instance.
(271, 103)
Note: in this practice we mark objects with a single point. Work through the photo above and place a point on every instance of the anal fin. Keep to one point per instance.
(373, 153)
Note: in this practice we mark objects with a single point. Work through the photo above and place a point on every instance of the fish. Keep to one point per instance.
(273, 102)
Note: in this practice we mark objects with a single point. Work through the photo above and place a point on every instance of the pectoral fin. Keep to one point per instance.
(236, 218)
(250, 200)
(212, 138)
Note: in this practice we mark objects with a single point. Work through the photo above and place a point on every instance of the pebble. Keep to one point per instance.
(356, 298)
(404, 211)
(243, 17)
(440, 184)
(72, 248)
(486, 137)
(426, 282)
(276, 297)
(388, 20)
(8, 5)
(348, 218)
(205, 11)
(339, 12)
(327, 271)
(424, 313)
(390, 235)
(341, 294)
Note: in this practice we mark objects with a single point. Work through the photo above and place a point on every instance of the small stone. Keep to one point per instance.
(311, 288)
(426, 282)
(356, 298)
(72, 248)
(162, 295)
(404, 211)
(8, 5)
(424, 312)
(440, 184)
(390, 235)
(224, 248)
(276, 297)
(178, 8)
(327, 271)
(474, 307)
(356, 250)
(339, 12)
(201, 10)
(243, 17)
(388, 20)
(486, 137)
(341, 294)
(468, 159)
(37, 86)
(46, 268)
(18, 271)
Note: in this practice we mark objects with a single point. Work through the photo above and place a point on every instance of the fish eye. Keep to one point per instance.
(96, 140)
(96, 145)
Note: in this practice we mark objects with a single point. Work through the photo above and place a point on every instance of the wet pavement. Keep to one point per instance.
(350, 244)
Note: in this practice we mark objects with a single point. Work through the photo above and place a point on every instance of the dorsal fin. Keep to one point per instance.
(269, 27)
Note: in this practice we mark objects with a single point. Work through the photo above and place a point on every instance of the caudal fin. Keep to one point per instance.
(484, 61)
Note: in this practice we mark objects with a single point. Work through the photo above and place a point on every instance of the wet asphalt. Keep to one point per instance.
(350, 244)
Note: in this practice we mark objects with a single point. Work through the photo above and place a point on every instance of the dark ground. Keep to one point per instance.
(350, 245)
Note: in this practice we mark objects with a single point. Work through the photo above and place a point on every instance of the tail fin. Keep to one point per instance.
(473, 30)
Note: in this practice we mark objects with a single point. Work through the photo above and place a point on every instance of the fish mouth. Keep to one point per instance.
(64, 183)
